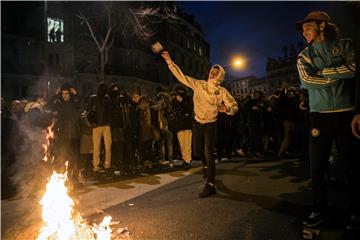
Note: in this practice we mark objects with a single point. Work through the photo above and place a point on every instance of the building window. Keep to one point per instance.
(55, 30)
(200, 53)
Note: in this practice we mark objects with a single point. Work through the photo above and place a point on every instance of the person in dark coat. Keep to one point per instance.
(182, 121)
(66, 108)
(117, 122)
(99, 115)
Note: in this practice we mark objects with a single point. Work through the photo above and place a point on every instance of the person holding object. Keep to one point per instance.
(209, 99)
(326, 68)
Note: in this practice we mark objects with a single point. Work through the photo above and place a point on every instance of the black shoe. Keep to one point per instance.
(313, 220)
(186, 166)
(208, 190)
(204, 174)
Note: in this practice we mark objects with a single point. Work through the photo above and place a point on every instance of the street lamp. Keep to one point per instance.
(238, 63)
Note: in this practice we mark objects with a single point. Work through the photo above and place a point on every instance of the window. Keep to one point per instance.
(55, 30)
(200, 53)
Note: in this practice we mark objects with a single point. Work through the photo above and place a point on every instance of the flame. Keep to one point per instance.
(49, 137)
(60, 220)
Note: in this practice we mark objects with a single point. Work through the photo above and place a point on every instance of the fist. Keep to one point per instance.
(222, 108)
(166, 56)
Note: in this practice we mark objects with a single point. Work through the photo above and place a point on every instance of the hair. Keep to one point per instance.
(331, 31)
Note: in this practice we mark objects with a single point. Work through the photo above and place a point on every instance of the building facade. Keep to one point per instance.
(45, 44)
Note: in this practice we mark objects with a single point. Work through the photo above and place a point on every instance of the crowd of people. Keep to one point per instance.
(117, 132)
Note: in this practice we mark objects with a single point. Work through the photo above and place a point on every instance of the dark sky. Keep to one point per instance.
(256, 30)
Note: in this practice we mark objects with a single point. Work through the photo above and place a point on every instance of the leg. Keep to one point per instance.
(209, 145)
(97, 133)
(108, 142)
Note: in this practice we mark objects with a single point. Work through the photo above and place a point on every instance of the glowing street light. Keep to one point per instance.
(238, 63)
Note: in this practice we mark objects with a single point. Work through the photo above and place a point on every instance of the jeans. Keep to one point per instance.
(204, 137)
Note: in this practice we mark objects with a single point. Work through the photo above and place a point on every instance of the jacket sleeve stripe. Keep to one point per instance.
(309, 79)
(342, 69)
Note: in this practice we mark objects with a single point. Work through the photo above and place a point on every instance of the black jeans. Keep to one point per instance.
(204, 138)
(324, 129)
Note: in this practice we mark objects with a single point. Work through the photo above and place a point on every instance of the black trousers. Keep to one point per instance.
(204, 138)
(324, 129)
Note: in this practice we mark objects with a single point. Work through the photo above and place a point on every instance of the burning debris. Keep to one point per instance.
(60, 220)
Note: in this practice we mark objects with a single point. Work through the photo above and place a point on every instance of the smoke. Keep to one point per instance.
(29, 172)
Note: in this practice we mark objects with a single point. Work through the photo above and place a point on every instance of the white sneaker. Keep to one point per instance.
(240, 152)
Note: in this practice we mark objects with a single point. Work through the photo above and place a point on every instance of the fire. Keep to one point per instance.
(49, 137)
(60, 220)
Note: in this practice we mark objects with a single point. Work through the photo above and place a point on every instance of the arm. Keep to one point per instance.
(308, 75)
(341, 72)
(347, 69)
(230, 103)
(176, 71)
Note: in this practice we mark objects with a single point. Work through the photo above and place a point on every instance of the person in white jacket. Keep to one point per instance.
(209, 99)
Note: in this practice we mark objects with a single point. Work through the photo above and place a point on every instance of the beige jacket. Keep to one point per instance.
(207, 97)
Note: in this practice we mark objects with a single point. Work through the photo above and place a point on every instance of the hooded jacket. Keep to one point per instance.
(208, 95)
(333, 90)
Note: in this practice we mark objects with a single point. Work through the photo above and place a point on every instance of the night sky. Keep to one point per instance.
(255, 30)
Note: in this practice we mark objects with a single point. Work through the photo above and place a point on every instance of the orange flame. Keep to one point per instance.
(60, 220)
(49, 137)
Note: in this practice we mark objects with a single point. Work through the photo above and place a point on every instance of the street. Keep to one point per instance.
(256, 199)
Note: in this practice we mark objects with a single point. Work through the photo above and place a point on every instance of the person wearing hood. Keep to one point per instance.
(162, 108)
(117, 122)
(327, 69)
(209, 99)
(66, 108)
(99, 116)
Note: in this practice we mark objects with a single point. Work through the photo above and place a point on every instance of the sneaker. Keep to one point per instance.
(208, 190)
(240, 152)
(313, 220)
(186, 166)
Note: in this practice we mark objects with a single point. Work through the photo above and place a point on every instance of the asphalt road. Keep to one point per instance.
(255, 200)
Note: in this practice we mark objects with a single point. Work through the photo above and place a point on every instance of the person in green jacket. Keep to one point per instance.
(327, 68)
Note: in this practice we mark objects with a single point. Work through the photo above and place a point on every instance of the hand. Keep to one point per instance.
(73, 91)
(255, 108)
(222, 108)
(269, 109)
(166, 57)
(355, 125)
(58, 91)
(179, 98)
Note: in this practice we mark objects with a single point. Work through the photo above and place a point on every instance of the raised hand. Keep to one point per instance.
(166, 57)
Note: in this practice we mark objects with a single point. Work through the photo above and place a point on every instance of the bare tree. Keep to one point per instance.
(137, 19)
(102, 43)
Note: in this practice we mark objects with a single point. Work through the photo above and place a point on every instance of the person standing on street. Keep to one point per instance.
(209, 99)
(326, 68)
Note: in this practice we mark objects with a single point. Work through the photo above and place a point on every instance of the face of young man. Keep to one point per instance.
(214, 72)
(310, 31)
(65, 95)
